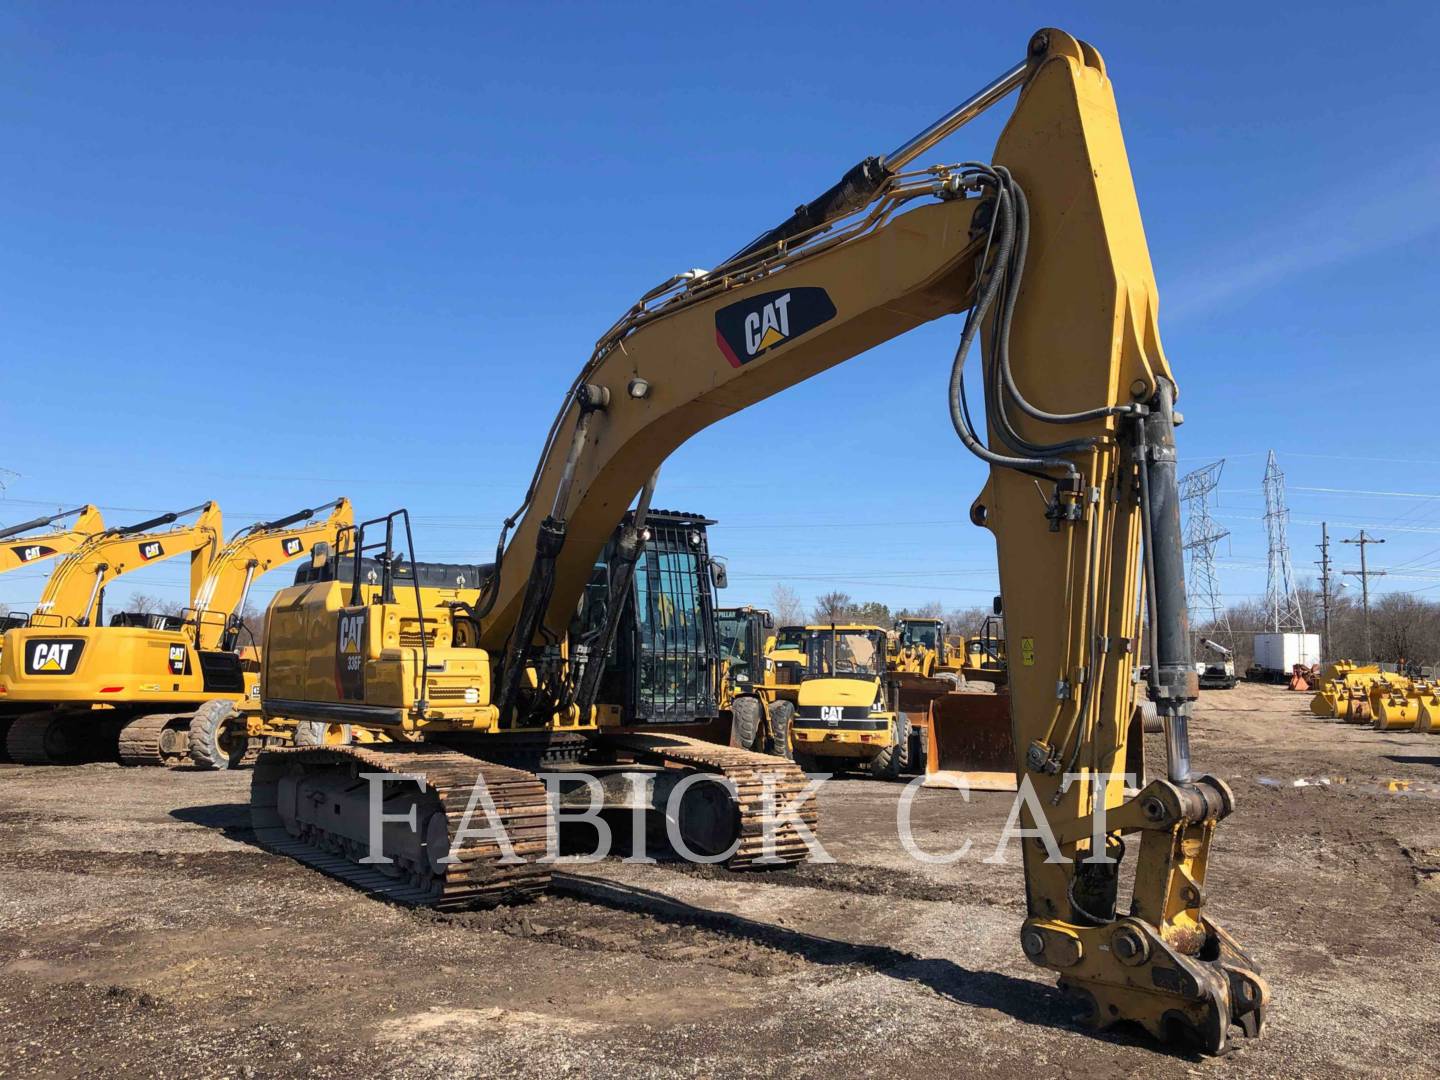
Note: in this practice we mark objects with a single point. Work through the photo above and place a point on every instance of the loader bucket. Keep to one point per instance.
(969, 742)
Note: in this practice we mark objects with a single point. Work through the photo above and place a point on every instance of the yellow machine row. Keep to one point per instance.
(140, 686)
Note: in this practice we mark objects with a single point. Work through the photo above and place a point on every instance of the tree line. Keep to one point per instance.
(841, 607)
(1404, 626)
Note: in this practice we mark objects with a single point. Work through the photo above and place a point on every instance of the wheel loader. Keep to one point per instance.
(1042, 253)
(761, 706)
(145, 686)
(847, 714)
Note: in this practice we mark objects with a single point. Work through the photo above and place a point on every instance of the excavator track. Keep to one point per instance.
(156, 739)
(56, 737)
(748, 771)
(446, 779)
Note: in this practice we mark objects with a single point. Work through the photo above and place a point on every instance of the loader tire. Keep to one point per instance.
(895, 758)
(781, 713)
(746, 716)
(315, 733)
(216, 742)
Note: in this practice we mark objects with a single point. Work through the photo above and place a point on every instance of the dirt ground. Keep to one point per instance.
(143, 934)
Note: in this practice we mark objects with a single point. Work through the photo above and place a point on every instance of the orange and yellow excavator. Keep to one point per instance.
(83, 690)
(1043, 251)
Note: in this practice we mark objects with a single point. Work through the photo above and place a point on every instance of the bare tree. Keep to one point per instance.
(145, 604)
(833, 607)
(786, 606)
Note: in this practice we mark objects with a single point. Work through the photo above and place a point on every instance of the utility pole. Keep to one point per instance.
(1324, 565)
(1365, 575)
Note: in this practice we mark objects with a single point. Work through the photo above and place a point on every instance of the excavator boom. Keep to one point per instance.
(72, 595)
(21, 545)
(253, 551)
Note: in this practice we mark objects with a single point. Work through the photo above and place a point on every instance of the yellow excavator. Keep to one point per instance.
(21, 545)
(141, 686)
(74, 598)
(1044, 251)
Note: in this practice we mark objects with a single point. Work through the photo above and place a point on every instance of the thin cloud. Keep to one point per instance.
(1365, 214)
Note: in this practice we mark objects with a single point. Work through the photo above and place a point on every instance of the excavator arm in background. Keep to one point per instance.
(1045, 250)
(253, 551)
(21, 545)
(72, 595)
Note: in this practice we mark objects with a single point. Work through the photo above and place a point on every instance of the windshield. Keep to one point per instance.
(734, 640)
(790, 637)
(925, 634)
(857, 653)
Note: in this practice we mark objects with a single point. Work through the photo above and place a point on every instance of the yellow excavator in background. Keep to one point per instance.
(1045, 251)
(74, 597)
(21, 545)
(141, 685)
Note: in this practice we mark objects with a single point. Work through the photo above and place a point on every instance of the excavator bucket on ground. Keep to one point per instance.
(1303, 678)
(1427, 710)
(969, 742)
(1399, 709)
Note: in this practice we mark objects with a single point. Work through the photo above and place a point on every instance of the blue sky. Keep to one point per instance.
(270, 254)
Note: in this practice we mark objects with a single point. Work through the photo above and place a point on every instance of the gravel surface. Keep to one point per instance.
(143, 934)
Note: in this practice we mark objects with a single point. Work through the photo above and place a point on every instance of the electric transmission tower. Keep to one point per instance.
(1282, 605)
(1202, 534)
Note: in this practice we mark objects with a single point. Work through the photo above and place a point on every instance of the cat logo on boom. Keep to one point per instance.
(292, 546)
(53, 657)
(31, 552)
(751, 328)
(151, 549)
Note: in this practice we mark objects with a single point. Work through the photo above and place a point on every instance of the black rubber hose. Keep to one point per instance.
(1022, 247)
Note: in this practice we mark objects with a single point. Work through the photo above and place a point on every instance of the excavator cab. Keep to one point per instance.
(665, 664)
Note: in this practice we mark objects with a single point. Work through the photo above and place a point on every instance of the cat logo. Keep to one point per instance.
(31, 552)
(351, 627)
(350, 656)
(832, 714)
(53, 657)
(179, 660)
(292, 546)
(151, 549)
(753, 327)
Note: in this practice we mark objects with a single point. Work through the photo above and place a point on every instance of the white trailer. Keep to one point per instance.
(1277, 654)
